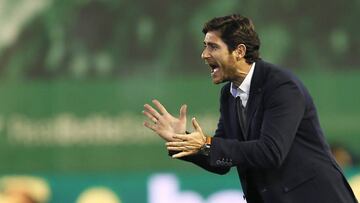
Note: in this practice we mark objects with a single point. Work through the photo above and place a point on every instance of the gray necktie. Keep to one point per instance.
(240, 110)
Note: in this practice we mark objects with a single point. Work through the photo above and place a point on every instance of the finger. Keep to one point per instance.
(196, 125)
(176, 148)
(160, 106)
(182, 148)
(183, 111)
(151, 127)
(182, 154)
(150, 116)
(175, 144)
(190, 148)
(152, 111)
(181, 137)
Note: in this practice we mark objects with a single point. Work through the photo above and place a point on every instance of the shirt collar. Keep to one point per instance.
(245, 85)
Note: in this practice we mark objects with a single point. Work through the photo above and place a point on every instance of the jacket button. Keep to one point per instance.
(286, 189)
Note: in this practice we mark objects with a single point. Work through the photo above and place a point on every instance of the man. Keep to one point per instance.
(268, 126)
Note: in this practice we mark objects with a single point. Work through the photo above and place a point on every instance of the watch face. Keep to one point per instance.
(205, 149)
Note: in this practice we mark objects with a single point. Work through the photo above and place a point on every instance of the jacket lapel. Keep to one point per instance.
(255, 94)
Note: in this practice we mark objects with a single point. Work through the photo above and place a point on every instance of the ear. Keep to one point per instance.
(240, 51)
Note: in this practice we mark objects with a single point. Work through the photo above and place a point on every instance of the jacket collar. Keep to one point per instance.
(255, 95)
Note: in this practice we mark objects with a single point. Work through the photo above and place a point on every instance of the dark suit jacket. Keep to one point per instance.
(283, 156)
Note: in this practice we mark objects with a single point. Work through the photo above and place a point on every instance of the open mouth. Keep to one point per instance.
(214, 67)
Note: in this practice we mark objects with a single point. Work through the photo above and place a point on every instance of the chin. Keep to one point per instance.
(217, 81)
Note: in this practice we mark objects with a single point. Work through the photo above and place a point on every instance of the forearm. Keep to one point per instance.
(249, 154)
(203, 162)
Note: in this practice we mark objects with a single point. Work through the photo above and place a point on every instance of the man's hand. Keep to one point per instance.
(187, 144)
(164, 124)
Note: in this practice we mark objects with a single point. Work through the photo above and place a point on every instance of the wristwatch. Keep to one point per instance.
(205, 149)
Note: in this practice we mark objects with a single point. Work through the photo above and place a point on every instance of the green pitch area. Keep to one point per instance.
(67, 126)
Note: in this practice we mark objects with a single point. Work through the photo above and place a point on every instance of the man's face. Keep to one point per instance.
(218, 57)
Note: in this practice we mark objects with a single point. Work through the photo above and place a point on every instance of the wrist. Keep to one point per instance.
(208, 140)
(205, 148)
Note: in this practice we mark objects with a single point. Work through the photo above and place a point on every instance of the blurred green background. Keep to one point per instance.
(74, 76)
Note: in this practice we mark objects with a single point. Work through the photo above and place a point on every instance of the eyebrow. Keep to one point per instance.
(210, 43)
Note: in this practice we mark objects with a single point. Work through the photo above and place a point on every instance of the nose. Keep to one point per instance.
(205, 54)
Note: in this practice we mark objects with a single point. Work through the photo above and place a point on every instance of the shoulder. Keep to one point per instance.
(276, 75)
(225, 92)
(225, 88)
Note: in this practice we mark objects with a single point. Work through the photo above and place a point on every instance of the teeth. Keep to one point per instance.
(213, 71)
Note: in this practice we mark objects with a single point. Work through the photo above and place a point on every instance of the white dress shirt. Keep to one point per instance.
(244, 89)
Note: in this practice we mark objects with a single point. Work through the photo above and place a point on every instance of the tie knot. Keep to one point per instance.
(239, 100)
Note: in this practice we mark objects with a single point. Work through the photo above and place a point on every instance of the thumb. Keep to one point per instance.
(196, 125)
(183, 110)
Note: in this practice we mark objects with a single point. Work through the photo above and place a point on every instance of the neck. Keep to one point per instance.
(243, 70)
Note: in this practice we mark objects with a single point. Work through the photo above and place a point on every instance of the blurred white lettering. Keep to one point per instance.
(164, 188)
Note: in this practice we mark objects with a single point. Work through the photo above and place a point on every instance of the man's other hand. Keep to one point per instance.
(187, 144)
(163, 123)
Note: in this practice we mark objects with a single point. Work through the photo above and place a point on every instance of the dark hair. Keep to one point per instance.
(235, 30)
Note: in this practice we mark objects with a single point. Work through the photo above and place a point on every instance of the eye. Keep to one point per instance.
(213, 46)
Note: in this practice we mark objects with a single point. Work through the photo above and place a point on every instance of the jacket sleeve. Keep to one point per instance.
(204, 161)
(283, 111)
